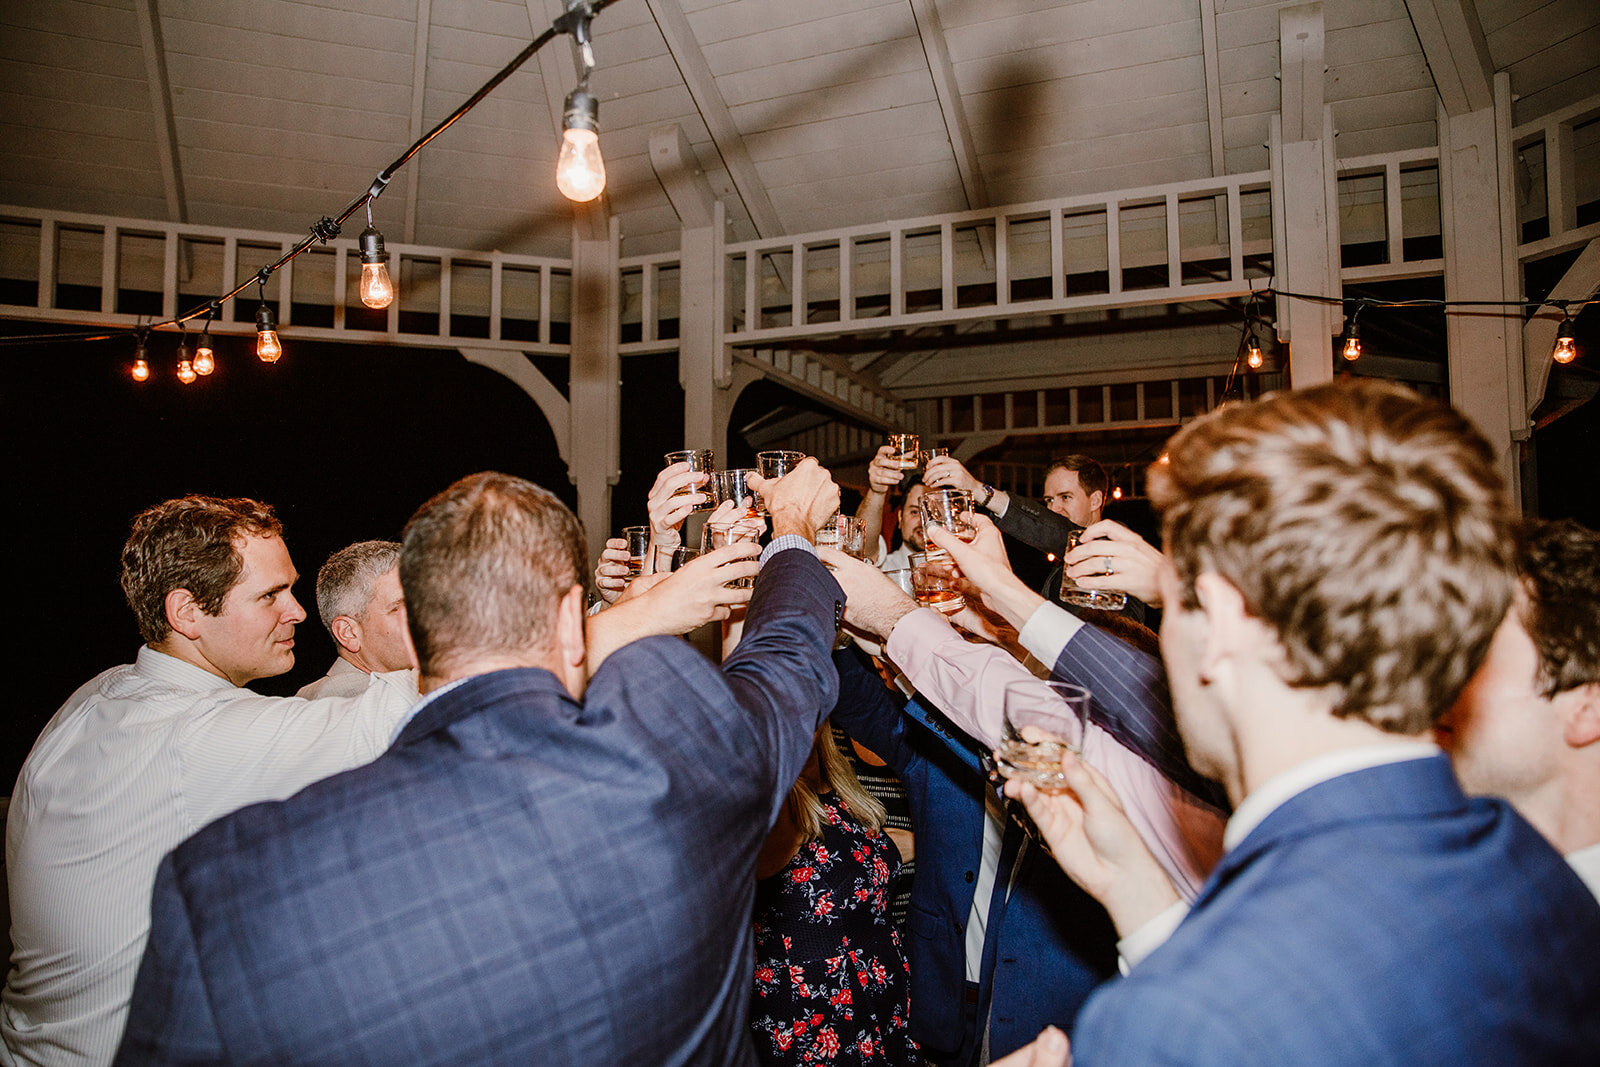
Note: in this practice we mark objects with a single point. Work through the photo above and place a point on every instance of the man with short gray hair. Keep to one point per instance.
(359, 601)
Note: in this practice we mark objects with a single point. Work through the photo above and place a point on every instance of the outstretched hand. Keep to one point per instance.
(1049, 1049)
(947, 472)
(611, 573)
(667, 511)
(873, 603)
(800, 501)
(984, 565)
(1135, 564)
(1097, 846)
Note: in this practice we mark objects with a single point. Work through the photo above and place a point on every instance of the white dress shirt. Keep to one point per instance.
(137, 760)
(344, 679)
(1586, 861)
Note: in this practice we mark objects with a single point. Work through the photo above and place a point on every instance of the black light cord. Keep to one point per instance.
(575, 20)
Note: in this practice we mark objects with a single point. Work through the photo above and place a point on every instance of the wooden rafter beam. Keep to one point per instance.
(419, 87)
(678, 171)
(1208, 45)
(1457, 53)
(166, 130)
(702, 85)
(1303, 66)
(937, 51)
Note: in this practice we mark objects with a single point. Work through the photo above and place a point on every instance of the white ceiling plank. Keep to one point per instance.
(702, 84)
(1457, 53)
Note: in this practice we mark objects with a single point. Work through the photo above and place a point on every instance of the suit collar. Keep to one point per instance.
(1413, 788)
(470, 695)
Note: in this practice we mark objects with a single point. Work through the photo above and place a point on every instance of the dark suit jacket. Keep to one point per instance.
(1045, 949)
(1038, 527)
(521, 879)
(1380, 917)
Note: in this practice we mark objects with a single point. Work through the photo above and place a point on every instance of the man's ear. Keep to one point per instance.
(183, 613)
(1229, 627)
(1582, 714)
(1097, 501)
(347, 632)
(570, 630)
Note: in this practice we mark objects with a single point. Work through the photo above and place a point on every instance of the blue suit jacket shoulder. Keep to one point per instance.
(1380, 917)
(521, 878)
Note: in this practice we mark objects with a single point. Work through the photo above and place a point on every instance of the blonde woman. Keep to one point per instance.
(831, 978)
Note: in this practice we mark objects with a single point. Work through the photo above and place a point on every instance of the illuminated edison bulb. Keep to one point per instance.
(580, 172)
(1252, 354)
(141, 370)
(377, 290)
(268, 348)
(1116, 492)
(204, 357)
(1351, 339)
(186, 373)
(1566, 349)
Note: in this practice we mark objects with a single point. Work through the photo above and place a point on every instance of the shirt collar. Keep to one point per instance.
(1586, 861)
(1275, 791)
(160, 667)
(424, 702)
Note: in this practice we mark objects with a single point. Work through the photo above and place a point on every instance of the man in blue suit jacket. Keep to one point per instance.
(532, 874)
(1341, 558)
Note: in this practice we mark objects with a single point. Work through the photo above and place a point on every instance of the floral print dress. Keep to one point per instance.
(832, 986)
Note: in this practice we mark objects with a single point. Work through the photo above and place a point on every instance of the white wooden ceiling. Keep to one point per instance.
(804, 114)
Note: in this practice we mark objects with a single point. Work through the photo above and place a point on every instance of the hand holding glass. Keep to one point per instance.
(1077, 595)
(1043, 719)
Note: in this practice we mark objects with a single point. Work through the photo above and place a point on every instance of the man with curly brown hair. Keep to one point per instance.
(1527, 728)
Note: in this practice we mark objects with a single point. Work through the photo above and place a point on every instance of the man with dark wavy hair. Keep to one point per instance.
(1342, 557)
(147, 753)
(1527, 728)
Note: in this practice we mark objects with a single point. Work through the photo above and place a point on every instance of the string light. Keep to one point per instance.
(580, 171)
(1116, 492)
(1350, 340)
(268, 347)
(377, 291)
(186, 371)
(141, 362)
(204, 355)
(585, 181)
(1252, 354)
(1566, 349)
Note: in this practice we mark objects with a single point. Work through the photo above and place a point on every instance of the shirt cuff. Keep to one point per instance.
(1047, 631)
(1132, 949)
(787, 541)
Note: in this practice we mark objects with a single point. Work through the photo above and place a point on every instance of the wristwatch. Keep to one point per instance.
(988, 495)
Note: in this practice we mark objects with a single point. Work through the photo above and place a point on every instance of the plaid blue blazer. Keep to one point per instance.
(521, 879)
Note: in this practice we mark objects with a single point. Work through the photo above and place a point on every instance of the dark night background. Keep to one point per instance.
(345, 441)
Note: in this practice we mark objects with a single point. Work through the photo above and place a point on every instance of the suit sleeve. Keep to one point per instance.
(170, 1019)
(1130, 700)
(782, 672)
(1034, 525)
